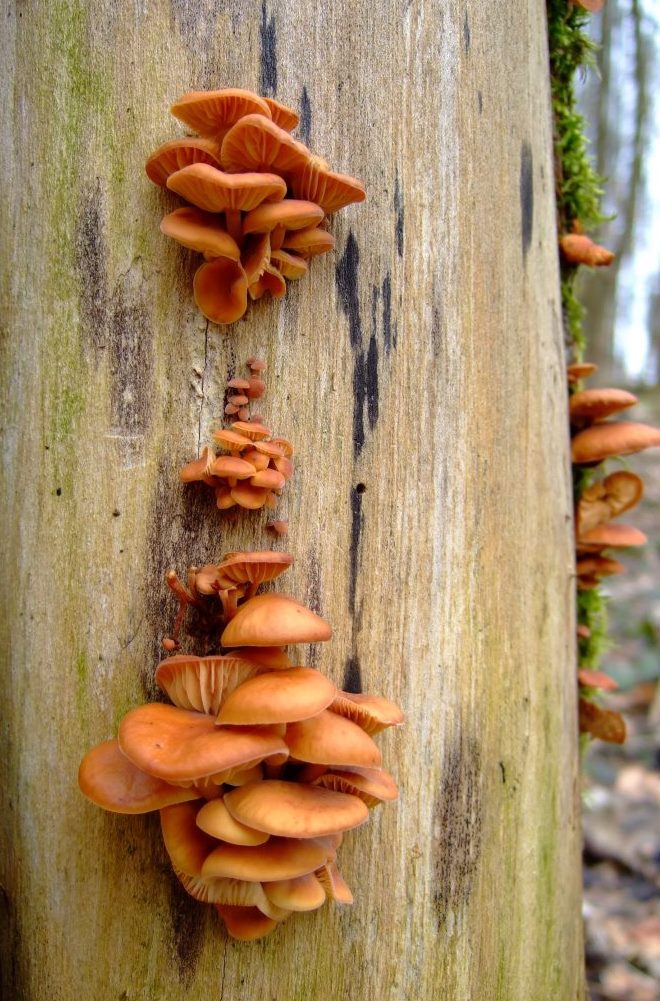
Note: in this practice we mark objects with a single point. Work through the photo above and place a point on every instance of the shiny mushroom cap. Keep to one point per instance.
(372, 713)
(255, 143)
(332, 191)
(286, 118)
(602, 441)
(291, 213)
(294, 810)
(279, 858)
(110, 780)
(329, 739)
(371, 785)
(305, 893)
(610, 536)
(278, 697)
(181, 746)
(274, 620)
(200, 231)
(580, 370)
(309, 242)
(215, 191)
(216, 820)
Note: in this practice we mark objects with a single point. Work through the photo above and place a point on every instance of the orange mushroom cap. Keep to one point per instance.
(279, 858)
(270, 281)
(232, 440)
(220, 890)
(215, 191)
(304, 893)
(278, 697)
(179, 153)
(216, 820)
(213, 112)
(249, 497)
(272, 657)
(220, 290)
(286, 118)
(328, 739)
(597, 679)
(113, 782)
(335, 886)
(252, 567)
(291, 213)
(602, 441)
(251, 429)
(372, 713)
(200, 231)
(232, 466)
(607, 498)
(186, 845)
(309, 242)
(181, 746)
(291, 266)
(274, 620)
(610, 536)
(597, 404)
(255, 259)
(255, 143)
(201, 684)
(294, 810)
(603, 723)
(578, 248)
(331, 191)
(371, 785)
(199, 469)
(598, 566)
(245, 924)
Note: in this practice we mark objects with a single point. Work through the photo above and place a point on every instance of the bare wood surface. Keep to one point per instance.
(419, 372)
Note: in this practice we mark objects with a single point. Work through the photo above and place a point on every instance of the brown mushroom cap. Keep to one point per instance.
(187, 845)
(598, 566)
(255, 143)
(372, 713)
(220, 290)
(179, 153)
(271, 479)
(252, 430)
(603, 723)
(113, 782)
(294, 810)
(607, 499)
(279, 858)
(201, 684)
(290, 213)
(245, 924)
(328, 739)
(231, 465)
(213, 112)
(610, 536)
(304, 893)
(232, 440)
(597, 404)
(249, 497)
(286, 118)
(329, 190)
(601, 441)
(309, 242)
(291, 266)
(274, 620)
(215, 191)
(278, 697)
(200, 231)
(181, 746)
(216, 820)
(580, 370)
(199, 469)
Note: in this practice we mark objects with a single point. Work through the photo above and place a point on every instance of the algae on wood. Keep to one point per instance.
(419, 372)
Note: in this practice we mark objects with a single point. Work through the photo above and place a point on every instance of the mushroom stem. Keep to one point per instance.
(234, 226)
(277, 237)
(252, 590)
(229, 599)
(180, 590)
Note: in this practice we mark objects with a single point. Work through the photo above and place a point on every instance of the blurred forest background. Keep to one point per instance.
(620, 100)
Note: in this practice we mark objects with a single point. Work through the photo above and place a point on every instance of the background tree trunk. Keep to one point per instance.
(419, 373)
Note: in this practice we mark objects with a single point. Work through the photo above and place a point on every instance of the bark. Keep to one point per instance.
(420, 374)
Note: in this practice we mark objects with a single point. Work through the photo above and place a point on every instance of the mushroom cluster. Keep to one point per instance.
(258, 465)
(258, 768)
(258, 197)
(595, 439)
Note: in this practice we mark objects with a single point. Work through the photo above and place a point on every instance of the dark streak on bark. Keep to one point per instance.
(457, 826)
(526, 196)
(305, 126)
(387, 313)
(352, 681)
(314, 602)
(399, 212)
(91, 266)
(466, 33)
(268, 33)
(357, 524)
(346, 278)
(480, 101)
(188, 940)
(371, 373)
(131, 357)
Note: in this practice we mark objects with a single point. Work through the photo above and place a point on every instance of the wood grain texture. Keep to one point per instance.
(419, 371)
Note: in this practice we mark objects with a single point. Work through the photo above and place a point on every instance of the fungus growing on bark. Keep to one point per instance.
(274, 620)
(603, 441)
(248, 171)
(578, 248)
(295, 810)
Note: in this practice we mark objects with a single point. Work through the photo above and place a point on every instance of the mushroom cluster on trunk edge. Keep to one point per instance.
(259, 767)
(595, 439)
(259, 198)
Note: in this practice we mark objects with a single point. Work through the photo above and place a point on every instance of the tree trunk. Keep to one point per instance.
(420, 374)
